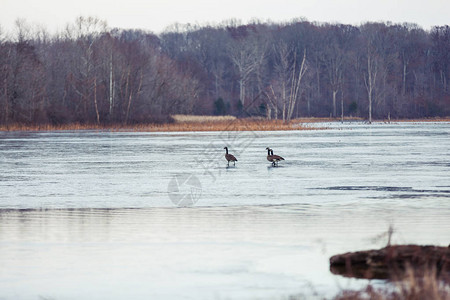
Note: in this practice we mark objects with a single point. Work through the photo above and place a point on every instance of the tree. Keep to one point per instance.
(339, 43)
(84, 76)
(285, 88)
(23, 79)
(373, 60)
(333, 59)
(90, 73)
(440, 36)
(247, 54)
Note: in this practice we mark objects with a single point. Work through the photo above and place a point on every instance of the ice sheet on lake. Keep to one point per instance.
(94, 209)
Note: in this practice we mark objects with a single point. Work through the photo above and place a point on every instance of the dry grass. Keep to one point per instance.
(48, 127)
(338, 119)
(437, 119)
(200, 123)
(414, 285)
(325, 120)
(200, 119)
(227, 125)
(215, 124)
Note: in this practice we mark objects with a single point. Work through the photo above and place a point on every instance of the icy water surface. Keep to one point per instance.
(94, 215)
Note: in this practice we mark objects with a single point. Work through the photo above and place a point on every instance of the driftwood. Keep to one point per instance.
(391, 262)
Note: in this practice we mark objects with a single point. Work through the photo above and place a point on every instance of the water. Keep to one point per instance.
(93, 215)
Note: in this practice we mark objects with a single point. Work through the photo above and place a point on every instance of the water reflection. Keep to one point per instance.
(233, 252)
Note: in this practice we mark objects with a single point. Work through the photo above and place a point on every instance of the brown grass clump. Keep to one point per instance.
(414, 284)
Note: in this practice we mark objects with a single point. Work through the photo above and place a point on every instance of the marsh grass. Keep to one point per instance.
(227, 125)
(200, 123)
(437, 119)
(200, 119)
(181, 124)
(413, 284)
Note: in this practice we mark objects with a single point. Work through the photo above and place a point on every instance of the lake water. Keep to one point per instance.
(120, 215)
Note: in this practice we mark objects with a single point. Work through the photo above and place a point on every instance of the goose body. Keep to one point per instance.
(229, 157)
(274, 159)
(269, 155)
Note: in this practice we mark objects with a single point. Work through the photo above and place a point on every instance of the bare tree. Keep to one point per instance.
(5, 75)
(440, 36)
(373, 64)
(92, 74)
(333, 59)
(285, 88)
(277, 90)
(85, 78)
(246, 54)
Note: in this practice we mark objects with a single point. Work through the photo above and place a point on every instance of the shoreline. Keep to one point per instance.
(210, 125)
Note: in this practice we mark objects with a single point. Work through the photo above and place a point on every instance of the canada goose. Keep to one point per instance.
(273, 158)
(230, 157)
(269, 156)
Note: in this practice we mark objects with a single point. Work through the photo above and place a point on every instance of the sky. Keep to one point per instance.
(157, 15)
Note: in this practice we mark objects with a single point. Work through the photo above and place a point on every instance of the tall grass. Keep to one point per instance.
(198, 123)
(228, 125)
(199, 119)
(435, 119)
(183, 124)
(413, 284)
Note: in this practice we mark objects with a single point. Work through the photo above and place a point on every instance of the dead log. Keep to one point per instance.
(392, 261)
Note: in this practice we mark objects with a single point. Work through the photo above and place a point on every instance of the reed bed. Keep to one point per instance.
(225, 125)
(325, 120)
(437, 119)
(201, 123)
(214, 124)
(50, 127)
(199, 119)
(414, 284)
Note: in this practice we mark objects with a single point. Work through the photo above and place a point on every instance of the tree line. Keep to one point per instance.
(89, 73)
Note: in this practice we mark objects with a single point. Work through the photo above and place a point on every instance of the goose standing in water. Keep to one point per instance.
(269, 156)
(274, 159)
(230, 157)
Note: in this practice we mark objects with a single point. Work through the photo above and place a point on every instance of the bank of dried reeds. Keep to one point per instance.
(414, 284)
(226, 125)
(200, 119)
(431, 120)
(200, 123)
(189, 124)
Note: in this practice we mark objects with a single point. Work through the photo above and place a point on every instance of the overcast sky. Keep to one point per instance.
(155, 15)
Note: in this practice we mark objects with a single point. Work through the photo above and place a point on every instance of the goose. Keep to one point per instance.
(273, 158)
(276, 158)
(269, 156)
(230, 157)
